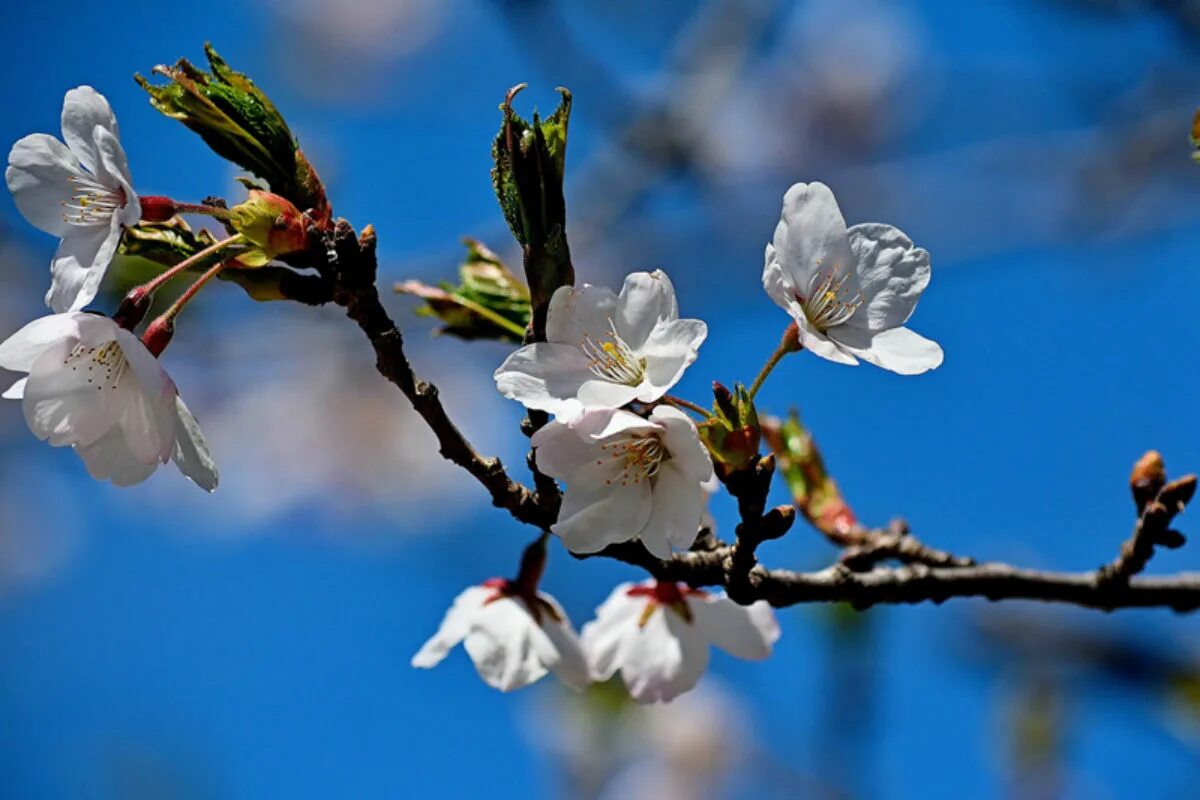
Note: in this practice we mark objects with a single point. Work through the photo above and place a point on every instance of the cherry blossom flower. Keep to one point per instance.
(513, 637)
(80, 192)
(94, 386)
(627, 477)
(657, 635)
(849, 290)
(603, 350)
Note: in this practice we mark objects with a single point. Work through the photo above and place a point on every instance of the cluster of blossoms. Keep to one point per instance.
(633, 464)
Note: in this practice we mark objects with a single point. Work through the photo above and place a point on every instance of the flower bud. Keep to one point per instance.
(271, 224)
(732, 434)
(814, 492)
(240, 123)
(528, 178)
(1148, 478)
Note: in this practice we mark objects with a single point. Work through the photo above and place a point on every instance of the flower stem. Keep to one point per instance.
(187, 296)
(158, 280)
(199, 208)
(788, 343)
(679, 402)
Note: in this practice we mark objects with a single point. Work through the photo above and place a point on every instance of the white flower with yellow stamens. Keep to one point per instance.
(849, 290)
(604, 350)
(80, 192)
(627, 477)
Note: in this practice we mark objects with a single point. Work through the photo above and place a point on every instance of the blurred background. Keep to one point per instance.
(159, 643)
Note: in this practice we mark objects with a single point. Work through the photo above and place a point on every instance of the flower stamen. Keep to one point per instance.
(92, 203)
(830, 301)
(639, 456)
(104, 365)
(612, 359)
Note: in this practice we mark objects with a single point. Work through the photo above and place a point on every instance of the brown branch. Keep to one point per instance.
(1153, 528)
(348, 271)
(865, 548)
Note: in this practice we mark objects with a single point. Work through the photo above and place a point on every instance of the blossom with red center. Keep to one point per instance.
(658, 633)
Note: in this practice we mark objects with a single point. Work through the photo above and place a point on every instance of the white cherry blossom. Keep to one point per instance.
(657, 634)
(850, 290)
(94, 386)
(627, 477)
(80, 192)
(513, 640)
(604, 350)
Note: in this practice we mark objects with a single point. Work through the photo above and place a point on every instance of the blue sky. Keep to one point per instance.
(185, 650)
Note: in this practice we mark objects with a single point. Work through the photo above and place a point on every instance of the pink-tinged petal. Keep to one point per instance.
(647, 299)
(899, 350)
(67, 404)
(670, 349)
(892, 275)
(191, 453)
(811, 233)
(665, 658)
(565, 656)
(109, 459)
(744, 631)
(577, 313)
(115, 166)
(151, 377)
(678, 503)
(606, 637)
(79, 265)
(39, 171)
(501, 643)
(546, 377)
(83, 110)
(454, 627)
(606, 518)
(683, 443)
(19, 351)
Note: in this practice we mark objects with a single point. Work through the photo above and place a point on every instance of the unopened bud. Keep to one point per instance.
(156, 208)
(272, 224)
(133, 308)
(158, 334)
(723, 402)
(778, 521)
(1148, 478)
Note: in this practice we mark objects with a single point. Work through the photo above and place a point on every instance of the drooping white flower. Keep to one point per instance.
(94, 386)
(80, 192)
(627, 477)
(513, 639)
(603, 350)
(849, 290)
(657, 634)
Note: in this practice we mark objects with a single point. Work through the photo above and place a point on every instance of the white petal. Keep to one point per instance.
(39, 169)
(79, 265)
(776, 282)
(665, 658)
(19, 351)
(818, 343)
(565, 657)
(63, 407)
(892, 275)
(744, 631)
(83, 110)
(602, 394)
(602, 518)
(191, 452)
(16, 391)
(500, 642)
(148, 426)
(108, 458)
(601, 424)
(151, 376)
(545, 376)
(605, 638)
(646, 300)
(454, 626)
(683, 443)
(671, 348)
(811, 233)
(900, 350)
(576, 313)
(115, 166)
(678, 503)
